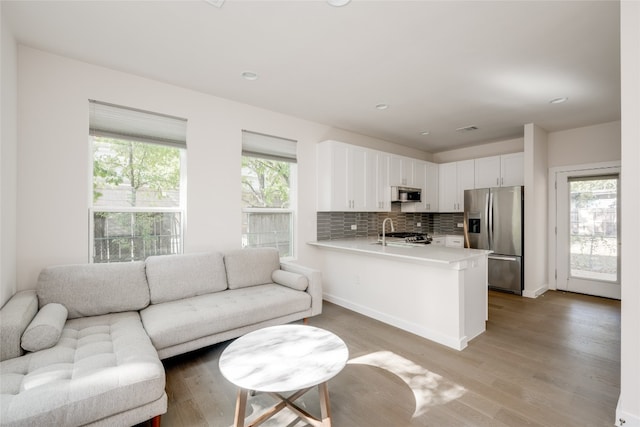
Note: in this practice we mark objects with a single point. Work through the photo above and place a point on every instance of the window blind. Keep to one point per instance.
(268, 147)
(115, 121)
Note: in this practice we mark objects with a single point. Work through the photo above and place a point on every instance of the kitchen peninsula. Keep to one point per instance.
(436, 292)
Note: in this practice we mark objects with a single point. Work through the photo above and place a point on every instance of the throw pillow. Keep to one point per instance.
(292, 280)
(45, 329)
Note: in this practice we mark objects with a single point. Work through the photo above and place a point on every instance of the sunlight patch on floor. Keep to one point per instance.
(429, 388)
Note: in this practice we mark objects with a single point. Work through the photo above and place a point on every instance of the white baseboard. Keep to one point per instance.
(535, 293)
(625, 419)
(419, 330)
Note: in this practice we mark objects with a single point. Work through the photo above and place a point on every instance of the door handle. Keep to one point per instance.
(503, 258)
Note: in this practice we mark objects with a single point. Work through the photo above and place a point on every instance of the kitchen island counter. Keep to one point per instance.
(439, 293)
(436, 255)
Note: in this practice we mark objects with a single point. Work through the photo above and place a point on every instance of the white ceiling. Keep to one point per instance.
(439, 65)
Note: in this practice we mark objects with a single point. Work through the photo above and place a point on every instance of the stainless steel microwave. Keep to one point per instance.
(406, 194)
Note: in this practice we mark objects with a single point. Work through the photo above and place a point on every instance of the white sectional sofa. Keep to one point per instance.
(85, 347)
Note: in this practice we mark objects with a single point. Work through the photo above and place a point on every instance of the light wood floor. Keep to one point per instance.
(550, 361)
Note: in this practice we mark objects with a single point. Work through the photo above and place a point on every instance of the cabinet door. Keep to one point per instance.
(357, 179)
(440, 241)
(512, 169)
(383, 188)
(466, 181)
(395, 171)
(401, 171)
(454, 241)
(339, 188)
(447, 188)
(430, 194)
(419, 180)
(466, 176)
(487, 172)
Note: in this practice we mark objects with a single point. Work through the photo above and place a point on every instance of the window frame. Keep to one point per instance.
(137, 118)
(289, 155)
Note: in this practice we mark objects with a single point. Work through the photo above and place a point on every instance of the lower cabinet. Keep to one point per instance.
(450, 240)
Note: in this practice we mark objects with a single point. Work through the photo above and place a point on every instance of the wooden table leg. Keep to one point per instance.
(241, 407)
(325, 406)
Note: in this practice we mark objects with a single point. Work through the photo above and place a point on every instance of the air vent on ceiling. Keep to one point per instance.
(467, 128)
(216, 3)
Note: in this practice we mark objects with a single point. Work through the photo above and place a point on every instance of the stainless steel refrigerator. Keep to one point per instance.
(494, 220)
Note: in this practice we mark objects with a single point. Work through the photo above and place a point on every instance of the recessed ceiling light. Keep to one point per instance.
(338, 3)
(425, 133)
(249, 75)
(382, 106)
(559, 100)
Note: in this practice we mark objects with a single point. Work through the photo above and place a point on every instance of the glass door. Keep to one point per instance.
(588, 234)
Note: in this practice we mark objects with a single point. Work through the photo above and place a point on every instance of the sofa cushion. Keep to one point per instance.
(173, 277)
(251, 266)
(95, 289)
(180, 321)
(101, 366)
(15, 317)
(295, 281)
(45, 329)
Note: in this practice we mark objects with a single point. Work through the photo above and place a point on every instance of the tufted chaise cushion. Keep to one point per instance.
(102, 365)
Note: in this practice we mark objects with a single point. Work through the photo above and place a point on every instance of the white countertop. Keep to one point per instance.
(431, 254)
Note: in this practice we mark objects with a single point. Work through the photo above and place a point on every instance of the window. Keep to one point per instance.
(268, 192)
(138, 183)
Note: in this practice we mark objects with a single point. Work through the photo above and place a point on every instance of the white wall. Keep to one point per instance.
(535, 210)
(8, 162)
(476, 152)
(53, 158)
(629, 402)
(585, 145)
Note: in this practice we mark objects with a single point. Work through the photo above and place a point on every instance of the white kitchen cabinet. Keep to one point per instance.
(499, 171)
(454, 178)
(439, 241)
(382, 201)
(454, 241)
(512, 169)
(347, 178)
(426, 178)
(401, 171)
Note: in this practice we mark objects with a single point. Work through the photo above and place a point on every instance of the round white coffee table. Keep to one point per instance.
(279, 359)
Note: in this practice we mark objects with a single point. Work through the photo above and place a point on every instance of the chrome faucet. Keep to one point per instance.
(384, 237)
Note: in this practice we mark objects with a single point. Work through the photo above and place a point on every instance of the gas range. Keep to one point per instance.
(407, 237)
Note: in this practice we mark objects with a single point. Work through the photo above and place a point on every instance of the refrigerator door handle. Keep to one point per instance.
(503, 258)
(489, 205)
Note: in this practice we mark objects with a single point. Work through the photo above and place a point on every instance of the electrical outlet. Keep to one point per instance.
(354, 226)
(418, 224)
(460, 225)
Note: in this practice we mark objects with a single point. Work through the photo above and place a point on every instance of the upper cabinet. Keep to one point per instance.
(383, 189)
(348, 178)
(499, 171)
(425, 177)
(401, 171)
(354, 178)
(512, 169)
(455, 177)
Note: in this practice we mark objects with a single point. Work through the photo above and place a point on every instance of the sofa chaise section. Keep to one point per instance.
(102, 369)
